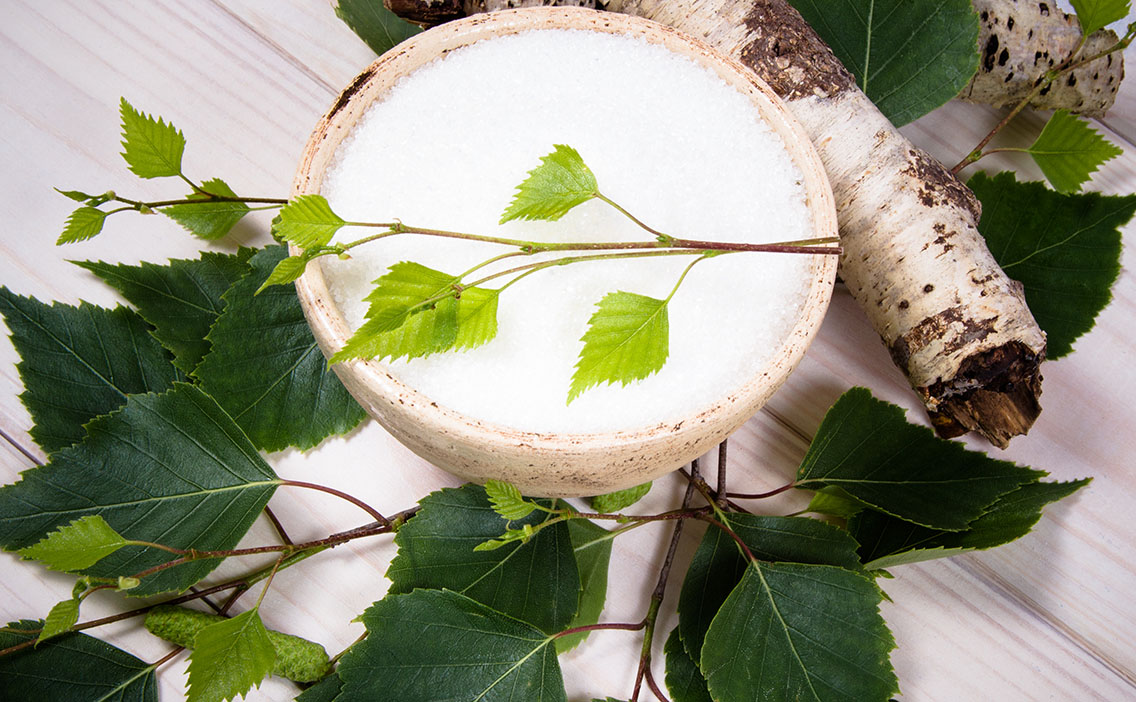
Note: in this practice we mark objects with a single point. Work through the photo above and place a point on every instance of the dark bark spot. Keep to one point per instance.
(904, 304)
(1003, 57)
(1041, 6)
(928, 288)
(1045, 91)
(985, 16)
(989, 53)
(1009, 23)
(1072, 80)
(349, 91)
(937, 186)
(1009, 77)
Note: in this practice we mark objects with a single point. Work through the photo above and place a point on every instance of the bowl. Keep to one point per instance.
(556, 464)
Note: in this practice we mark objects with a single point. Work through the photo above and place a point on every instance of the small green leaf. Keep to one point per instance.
(507, 501)
(684, 679)
(77, 546)
(1069, 151)
(60, 619)
(152, 148)
(76, 195)
(127, 583)
(591, 544)
(510, 536)
(83, 224)
(372, 22)
(1097, 14)
(835, 502)
(628, 339)
(229, 658)
(209, 218)
(620, 499)
(287, 271)
(559, 183)
(1065, 250)
(307, 222)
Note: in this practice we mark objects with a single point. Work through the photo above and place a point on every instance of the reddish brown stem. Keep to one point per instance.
(762, 495)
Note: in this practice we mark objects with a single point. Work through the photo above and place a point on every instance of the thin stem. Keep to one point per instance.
(683, 276)
(730, 532)
(166, 658)
(277, 526)
(655, 687)
(762, 495)
(722, 454)
(268, 582)
(375, 514)
(137, 204)
(336, 657)
(621, 626)
(661, 236)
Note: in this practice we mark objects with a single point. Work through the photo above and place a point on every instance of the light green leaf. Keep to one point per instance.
(77, 195)
(82, 224)
(1065, 250)
(866, 447)
(266, 370)
(835, 502)
(76, 546)
(507, 501)
(559, 183)
(170, 469)
(372, 22)
(511, 536)
(800, 632)
(684, 679)
(434, 645)
(628, 339)
(1097, 14)
(908, 56)
(229, 658)
(287, 271)
(1069, 151)
(60, 619)
(80, 362)
(152, 148)
(209, 218)
(181, 299)
(592, 545)
(620, 499)
(307, 222)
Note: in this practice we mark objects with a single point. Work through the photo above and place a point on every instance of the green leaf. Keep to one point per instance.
(77, 195)
(74, 667)
(181, 299)
(908, 56)
(866, 447)
(628, 339)
(209, 218)
(170, 468)
(620, 499)
(80, 362)
(287, 271)
(307, 222)
(325, 690)
(266, 370)
(536, 582)
(835, 502)
(684, 679)
(1069, 151)
(152, 148)
(559, 183)
(372, 22)
(434, 645)
(718, 564)
(229, 658)
(507, 501)
(1065, 250)
(1097, 14)
(592, 545)
(60, 619)
(888, 541)
(800, 632)
(83, 224)
(76, 546)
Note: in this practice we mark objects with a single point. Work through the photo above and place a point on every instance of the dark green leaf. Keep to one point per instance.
(800, 632)
(621, 499)
(83, 224)
(229, 658)
(1069, 151)
(325, 690)
(307, 222)
(181, 299)
(76, 546)
(592, 546)
(628, 339)
(266, 369)
(1097, 14)
(1065, 250)
(559, 183)
(507, 501)
(60, 619)
(909, 56)
(209, 218)
(536, 582)
(432, 645)
(888, 541)
(170, 469)
(866, 447)
(152, 148)
(684, 679)
(380, 28)
(74, 667)
(80, 362)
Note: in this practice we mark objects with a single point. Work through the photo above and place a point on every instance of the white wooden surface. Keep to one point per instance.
(1051, 617)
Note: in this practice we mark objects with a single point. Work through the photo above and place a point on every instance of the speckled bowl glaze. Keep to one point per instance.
(555, 464)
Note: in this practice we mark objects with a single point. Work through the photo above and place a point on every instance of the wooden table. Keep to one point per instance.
(1050, 617)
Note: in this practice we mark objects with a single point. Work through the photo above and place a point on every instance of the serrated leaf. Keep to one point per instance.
(60, 619)
(372, 22)
(1097, 14)
(800, 632)
(1065, 250)
(509, 537)
(208, 218)
(307, 222)
(1069, 151)
(536, 582)
(74, 667)
(76, 195)
(834, 502)
(620, 499)
(181, 299)
(287, 271)
(76, 546)
(684, 679)
(152, 148)
(82, 224)
(889, 542)
(908, 56)
(326, 690)
(628, 339)
(80, 362)
(266, 370)
(559, 183)
(506, 500)
(592, 546)
(229, 658)
(866, 447)
(438, 645)
(171, 468)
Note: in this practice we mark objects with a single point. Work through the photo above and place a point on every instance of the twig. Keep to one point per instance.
(277, 525)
